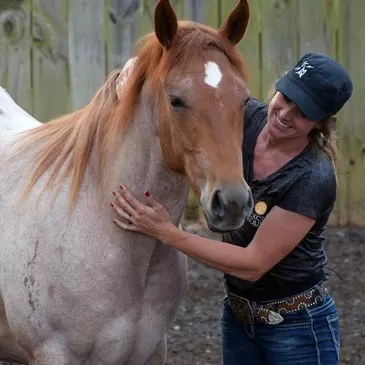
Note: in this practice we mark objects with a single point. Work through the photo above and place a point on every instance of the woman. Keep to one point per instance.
(277, 309)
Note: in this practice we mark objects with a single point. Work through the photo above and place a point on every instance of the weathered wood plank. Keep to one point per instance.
(121, 31)
(198, 11)
(317, 26)
(279, 39)
(145, 18)
(3, 50)
(10, 4)
(317, 33)
(86, 49)
(352, 55)
(15, 52)
(51, 92)
(203, 11)
(250, 46)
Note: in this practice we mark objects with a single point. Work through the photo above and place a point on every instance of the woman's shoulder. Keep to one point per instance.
(255, 115)
(321, 165)
(310, 188)
(319, 179)
(255, 107)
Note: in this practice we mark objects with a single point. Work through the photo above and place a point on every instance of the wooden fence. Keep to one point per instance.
(54, 54)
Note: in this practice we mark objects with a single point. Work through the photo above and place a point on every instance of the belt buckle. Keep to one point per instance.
(268, 316)
(241, 308)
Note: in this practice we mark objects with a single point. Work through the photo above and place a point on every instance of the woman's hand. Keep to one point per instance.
(150, 218)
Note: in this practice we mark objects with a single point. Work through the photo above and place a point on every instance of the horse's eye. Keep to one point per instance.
(177, 102)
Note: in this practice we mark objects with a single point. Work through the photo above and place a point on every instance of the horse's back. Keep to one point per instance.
(13, 118)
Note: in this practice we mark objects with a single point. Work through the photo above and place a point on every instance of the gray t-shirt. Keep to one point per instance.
(305, 185)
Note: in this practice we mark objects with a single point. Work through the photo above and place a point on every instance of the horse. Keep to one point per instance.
(74, 288)
(14, 119)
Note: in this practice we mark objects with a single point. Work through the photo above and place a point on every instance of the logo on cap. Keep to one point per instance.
(302, 69)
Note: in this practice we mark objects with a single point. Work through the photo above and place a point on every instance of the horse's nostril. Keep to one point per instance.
(218, 204)
(230, 204)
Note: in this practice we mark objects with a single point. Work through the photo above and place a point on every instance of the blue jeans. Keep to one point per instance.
(308, 337)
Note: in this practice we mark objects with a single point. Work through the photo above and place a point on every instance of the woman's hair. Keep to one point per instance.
(323, 137)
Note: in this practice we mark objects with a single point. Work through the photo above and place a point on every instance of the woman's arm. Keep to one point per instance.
(204, 249)
(280, 232)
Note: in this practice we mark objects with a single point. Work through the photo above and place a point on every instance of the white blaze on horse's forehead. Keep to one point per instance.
(213, 74)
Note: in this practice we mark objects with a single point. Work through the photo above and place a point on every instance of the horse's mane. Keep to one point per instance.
(67, 142)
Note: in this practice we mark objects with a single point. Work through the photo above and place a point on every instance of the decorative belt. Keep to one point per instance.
(270, 312)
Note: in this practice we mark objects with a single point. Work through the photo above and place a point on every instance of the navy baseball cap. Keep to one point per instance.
(318, 85)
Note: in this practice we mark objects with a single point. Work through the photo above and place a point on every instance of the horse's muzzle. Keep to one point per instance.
(228, 207)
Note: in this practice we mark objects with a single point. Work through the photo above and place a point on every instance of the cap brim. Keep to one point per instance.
(307, 106)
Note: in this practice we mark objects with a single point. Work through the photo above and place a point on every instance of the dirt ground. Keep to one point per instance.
(195, 336)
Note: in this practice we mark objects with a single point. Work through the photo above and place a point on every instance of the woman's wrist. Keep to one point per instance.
(168, 232)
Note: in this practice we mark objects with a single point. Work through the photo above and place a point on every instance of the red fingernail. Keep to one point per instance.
(121, 186)
(147, 193)
(114, 193)
(112, 205)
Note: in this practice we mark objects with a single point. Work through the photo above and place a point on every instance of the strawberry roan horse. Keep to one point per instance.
(74, 288)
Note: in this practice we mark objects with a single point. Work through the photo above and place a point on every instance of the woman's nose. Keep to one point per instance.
(287, 110)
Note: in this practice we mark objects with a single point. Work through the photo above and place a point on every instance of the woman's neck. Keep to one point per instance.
(290, 147)
(271, 154)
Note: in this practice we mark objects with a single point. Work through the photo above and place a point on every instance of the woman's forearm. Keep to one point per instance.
(224, 269)
(227, 258)
(212, 265)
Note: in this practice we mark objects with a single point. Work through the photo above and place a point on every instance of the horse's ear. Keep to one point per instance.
(234, 28)
(165, 23)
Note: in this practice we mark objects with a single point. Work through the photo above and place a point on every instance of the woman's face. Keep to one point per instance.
(285, 120)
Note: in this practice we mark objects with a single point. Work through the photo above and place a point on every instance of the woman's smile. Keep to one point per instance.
(281, 123)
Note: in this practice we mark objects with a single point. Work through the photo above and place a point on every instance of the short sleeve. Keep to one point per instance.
(254, 118)
(255, 109)
(313, 194)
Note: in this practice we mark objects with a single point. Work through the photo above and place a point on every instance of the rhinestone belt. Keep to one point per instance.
(270, 312)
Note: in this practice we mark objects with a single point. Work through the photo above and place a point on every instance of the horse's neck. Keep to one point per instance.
(141, 166)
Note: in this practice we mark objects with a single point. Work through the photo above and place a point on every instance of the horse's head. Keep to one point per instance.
(189, 79)
(199, 81)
